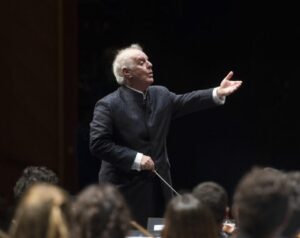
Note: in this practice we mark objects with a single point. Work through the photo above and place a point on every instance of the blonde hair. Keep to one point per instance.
(122, 60)
(42, 213)
(3, 234)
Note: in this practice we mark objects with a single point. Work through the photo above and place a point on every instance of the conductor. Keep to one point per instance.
(129, 129)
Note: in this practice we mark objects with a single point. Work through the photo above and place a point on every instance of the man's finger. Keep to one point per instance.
(229, 75)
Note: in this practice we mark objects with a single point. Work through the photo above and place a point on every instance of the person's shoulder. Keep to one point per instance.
(158, 88)
(108, 99)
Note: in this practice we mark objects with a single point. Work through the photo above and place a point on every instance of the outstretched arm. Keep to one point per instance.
(228, 86)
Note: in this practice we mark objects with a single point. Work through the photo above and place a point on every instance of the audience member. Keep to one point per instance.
(187, 217)
(261, 203)
(215, 197)
(31, 175)
(43, 212)
(100, 211)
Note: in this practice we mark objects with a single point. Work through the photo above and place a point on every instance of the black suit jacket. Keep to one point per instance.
(126, 122)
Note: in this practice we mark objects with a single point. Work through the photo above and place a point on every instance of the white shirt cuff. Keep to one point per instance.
(137, 162)
(218, 100)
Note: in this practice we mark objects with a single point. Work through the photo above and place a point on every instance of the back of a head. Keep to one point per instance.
(215, 197)
(31, 175)
(100, 211)
(187, 217)
(261, 202)
(43, 212)
(293, 225)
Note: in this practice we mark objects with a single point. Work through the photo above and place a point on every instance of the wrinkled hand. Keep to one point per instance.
(228, 86)
(147, 163)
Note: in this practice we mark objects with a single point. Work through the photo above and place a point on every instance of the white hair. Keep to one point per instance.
(122, 60)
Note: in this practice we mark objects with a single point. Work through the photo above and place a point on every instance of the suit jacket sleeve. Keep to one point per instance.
(191, 102)
(102, 144)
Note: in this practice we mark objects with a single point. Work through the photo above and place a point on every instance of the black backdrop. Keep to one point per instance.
(193, 45)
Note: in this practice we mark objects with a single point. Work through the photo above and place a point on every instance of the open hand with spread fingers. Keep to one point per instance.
(228, 86)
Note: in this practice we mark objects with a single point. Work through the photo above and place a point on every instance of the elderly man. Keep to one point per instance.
(129, 129)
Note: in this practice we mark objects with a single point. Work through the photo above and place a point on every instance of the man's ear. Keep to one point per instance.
(126, 72)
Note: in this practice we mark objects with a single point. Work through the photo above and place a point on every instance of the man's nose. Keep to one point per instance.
(149, 64)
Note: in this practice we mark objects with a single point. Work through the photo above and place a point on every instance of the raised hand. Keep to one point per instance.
(228, 86)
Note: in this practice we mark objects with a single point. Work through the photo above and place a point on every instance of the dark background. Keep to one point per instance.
(193, 45)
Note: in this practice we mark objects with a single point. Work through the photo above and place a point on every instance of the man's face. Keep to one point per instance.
(140, 74)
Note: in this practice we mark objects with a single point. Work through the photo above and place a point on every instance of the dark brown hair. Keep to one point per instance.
(214, 196)
(187, 217)
(261, 202)
(100, 211)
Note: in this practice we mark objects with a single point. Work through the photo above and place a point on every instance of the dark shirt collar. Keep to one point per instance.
(144, 94)
(133, 97)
